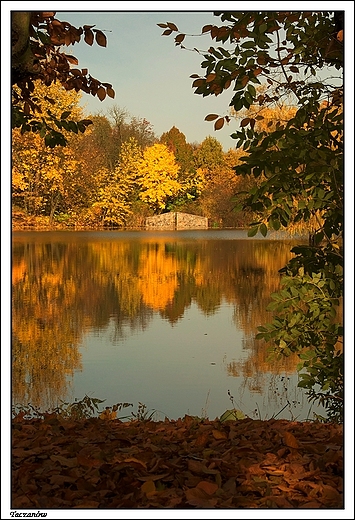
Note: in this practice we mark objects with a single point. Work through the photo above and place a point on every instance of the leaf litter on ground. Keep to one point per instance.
(172, 464)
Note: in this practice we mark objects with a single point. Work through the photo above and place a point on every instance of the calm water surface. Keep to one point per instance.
(161, 318)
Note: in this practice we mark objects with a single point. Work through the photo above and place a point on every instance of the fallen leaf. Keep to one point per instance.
(87, 461)
(207, 487)
(131, 460)
(217, 434)
(196, 466)
(202, 439)
(290, 440)
(148, 487)
(197, 497)
(63, 461)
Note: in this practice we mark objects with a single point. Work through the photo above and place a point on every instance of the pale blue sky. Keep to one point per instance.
(150, 75)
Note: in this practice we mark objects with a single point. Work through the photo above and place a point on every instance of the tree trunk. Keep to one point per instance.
(22, 59)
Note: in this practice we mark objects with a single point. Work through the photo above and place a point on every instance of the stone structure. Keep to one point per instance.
(176, 220)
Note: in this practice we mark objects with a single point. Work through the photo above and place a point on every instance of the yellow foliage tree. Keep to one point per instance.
(158, 173)
(40, 175)
(116, 189)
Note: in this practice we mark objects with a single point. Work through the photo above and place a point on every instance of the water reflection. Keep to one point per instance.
(71, 287)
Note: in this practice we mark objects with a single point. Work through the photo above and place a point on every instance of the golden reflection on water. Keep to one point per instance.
(64, 284)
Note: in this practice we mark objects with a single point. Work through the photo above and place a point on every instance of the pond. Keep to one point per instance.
(166, 319)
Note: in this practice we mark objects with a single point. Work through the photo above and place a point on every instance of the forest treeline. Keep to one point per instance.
(116, 171)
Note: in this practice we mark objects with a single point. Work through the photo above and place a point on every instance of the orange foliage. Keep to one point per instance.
(158, 277)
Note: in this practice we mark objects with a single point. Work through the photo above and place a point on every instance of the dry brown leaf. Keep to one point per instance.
(219, 123)
(290, 440)
(148, 487)
(202, 439)
(87, 461)
(197, 497)
(101, 93)
(296, 469)
(63, 461)
(131, 460)
(330, 494)
(207, 487)
(196, 466)
(217, 434)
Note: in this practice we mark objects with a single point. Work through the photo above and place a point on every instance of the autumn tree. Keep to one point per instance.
(158, 173)
(183, 151)
(37, 38)
(140, 129)
(301, 162)
(118, 187)
(124, 127)
(42, 176)
(209, 156)
(191, 181)
(217, 198)
(98, 144)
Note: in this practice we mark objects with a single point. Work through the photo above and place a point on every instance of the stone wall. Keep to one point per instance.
(176, 220)
(187, 221)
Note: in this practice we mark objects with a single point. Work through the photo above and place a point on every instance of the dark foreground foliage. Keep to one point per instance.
(187, 463)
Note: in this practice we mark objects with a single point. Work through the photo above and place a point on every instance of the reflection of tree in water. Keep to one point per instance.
(125, 326)
(44, 338)
(61, 289)
(240, 272)
(274, 382)
(259, 277)
(65, 285)
(256, 368)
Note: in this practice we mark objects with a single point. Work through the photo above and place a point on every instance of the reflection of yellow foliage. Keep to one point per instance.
(61, 288)
(157, 277)
(18, 271)
(44, 336)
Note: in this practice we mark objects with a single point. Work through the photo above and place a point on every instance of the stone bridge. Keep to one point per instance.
(176, 220)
